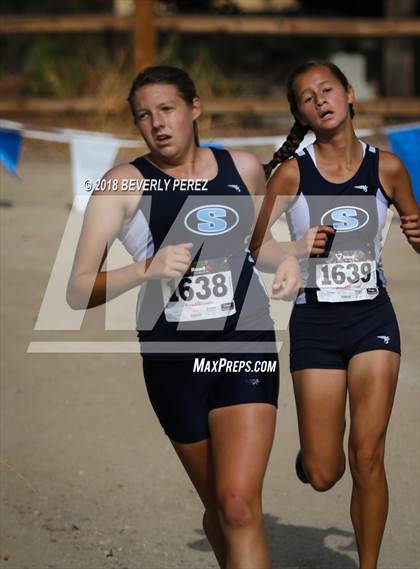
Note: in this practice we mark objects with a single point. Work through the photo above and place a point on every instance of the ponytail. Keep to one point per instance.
(294, 138)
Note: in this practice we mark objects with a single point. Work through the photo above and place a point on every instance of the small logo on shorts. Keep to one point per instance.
(386, 339)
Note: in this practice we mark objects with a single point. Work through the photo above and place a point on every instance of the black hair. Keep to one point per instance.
(298, 130)
(166, 75)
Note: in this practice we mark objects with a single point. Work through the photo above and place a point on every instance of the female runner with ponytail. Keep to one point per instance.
(344, 336)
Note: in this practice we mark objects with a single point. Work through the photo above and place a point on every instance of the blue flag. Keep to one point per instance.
(405, 143)
(208, 144)
(10, 143)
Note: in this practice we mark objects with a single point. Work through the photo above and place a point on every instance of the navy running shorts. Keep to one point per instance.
(327, 335)
(183, 392)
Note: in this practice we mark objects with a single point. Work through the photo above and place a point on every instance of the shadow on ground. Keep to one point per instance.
(301, 547)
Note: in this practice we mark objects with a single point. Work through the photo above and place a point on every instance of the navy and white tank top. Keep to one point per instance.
(222, 296)
(351, 268)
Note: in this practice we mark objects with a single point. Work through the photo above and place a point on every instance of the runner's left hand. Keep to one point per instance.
(410, 225)
(287, 280)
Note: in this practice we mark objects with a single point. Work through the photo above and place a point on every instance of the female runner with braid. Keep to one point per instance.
(344, 336)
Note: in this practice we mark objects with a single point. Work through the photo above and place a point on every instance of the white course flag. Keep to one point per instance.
(91, 157)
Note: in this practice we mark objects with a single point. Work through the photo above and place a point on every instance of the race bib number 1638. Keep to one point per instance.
(205, 294)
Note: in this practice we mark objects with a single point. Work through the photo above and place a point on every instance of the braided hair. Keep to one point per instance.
(287, 149)
(298, 130)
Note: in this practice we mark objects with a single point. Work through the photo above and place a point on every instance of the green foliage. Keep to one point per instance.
(198, 59)
(77, 65)
(52, 68)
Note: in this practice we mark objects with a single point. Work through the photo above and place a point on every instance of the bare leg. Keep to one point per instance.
(197, 461)
(320, 402)
(372, 380)
(241, 438)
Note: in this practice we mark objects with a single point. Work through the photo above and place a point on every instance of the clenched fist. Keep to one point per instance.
(171, 261)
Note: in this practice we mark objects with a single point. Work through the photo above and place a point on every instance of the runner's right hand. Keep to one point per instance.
(315, 240)
(171, 261)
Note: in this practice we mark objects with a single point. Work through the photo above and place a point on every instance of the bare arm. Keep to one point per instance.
(281, 189)
(267, 210)
(90, 286)
(274, 256)
(396, 183)
(104, 217)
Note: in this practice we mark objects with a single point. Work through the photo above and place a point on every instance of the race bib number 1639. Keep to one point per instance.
(346, 281)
